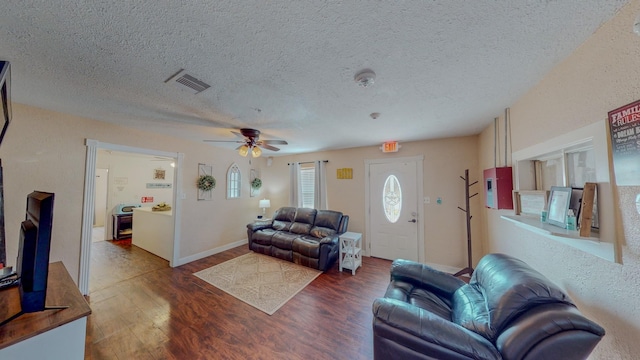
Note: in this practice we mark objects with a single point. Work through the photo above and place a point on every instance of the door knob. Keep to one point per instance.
(413, 220)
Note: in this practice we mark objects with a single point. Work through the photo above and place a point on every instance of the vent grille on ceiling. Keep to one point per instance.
(188, 82)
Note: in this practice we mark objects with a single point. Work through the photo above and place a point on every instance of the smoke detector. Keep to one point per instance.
(365, 78)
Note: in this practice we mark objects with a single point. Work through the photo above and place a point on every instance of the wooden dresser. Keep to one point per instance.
(49, 334)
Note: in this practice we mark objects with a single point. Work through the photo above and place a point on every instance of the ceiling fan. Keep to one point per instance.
(250, 140)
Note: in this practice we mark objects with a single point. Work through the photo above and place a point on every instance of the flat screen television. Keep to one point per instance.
(5, 118)
(32, 265)
(5, 97)
(33, 270)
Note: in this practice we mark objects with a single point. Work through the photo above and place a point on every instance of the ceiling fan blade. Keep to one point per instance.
(279, 142)
(269, 147)
(237, 134)
(232, 141)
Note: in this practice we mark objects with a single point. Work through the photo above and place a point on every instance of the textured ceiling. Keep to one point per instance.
(444, 67)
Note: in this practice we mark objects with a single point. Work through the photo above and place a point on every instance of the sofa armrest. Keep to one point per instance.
(424, 276)
(259, 225)
(331, 240)
(426, 333)
(553, 330)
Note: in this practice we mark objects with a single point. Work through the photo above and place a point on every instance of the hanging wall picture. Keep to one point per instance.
(624, 130)
(255, 182)
(206, 182)
(158, 174)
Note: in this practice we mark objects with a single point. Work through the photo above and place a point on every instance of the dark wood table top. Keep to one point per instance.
(61, 291)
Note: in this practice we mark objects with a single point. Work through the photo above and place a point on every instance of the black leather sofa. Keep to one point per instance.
(507, 311)
(304, 236)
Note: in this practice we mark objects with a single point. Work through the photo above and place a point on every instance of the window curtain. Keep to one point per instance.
(320, 186)
(295, 188)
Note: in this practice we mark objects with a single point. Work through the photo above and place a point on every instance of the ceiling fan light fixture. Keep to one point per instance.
(256, 152)
(244, 150)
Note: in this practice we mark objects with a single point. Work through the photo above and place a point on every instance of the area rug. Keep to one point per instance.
(261, 281)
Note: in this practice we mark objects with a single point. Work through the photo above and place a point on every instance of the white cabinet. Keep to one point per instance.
(350, 251)
(153, 231)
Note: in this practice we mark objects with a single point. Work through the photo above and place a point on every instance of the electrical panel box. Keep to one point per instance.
(498, 188)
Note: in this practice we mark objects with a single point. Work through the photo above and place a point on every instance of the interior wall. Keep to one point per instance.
(445, 161)
(45, 150)
(601, 75)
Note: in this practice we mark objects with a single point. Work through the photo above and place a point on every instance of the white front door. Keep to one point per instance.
(393, 210)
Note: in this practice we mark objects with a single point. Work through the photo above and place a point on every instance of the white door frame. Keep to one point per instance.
(88, 203)
(419, 160)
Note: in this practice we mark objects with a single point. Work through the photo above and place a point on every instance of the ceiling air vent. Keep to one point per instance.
(188, 82)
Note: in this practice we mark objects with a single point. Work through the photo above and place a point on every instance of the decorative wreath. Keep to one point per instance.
(206, 182)
(256, 183)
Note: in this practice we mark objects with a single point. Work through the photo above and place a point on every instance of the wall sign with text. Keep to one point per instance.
(624, 130)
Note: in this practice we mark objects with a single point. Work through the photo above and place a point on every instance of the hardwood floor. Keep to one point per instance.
(143, 309)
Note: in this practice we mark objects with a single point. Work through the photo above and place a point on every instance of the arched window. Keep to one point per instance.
(392, 198)
(234, 180)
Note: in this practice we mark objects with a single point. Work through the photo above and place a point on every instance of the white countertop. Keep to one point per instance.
(149, 210)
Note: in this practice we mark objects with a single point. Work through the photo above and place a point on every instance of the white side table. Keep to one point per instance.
(350, 251)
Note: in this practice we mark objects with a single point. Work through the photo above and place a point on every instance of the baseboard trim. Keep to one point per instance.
(204, 254)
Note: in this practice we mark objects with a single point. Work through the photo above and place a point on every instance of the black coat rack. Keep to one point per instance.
(467, 210)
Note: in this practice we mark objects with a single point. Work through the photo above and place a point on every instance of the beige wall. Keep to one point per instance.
(600, 76)
(444, 162)
(45, 150)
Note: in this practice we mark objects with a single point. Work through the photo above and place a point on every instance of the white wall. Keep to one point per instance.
(129, 175)
(603, 74)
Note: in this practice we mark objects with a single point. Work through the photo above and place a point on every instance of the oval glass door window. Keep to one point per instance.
(392, 198)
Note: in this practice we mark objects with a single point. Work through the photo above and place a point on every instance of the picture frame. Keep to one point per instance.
(530, 202)
(558, 207)
(575, 203)
(158, 174)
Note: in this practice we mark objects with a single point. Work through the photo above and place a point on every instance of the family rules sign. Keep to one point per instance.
(624, 129)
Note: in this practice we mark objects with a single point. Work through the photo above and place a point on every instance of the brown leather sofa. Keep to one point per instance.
(507, 311)
(304, 236)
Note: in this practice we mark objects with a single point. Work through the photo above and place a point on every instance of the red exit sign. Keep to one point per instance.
(390, 146)
(146, 199)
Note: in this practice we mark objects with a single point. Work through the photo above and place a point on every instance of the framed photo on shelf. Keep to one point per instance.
(559, 201)
(530, 202)
(576, 202)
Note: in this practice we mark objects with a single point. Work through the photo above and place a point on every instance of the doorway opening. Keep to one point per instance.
(89, 205)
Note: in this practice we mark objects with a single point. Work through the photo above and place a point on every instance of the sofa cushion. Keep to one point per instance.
(307, 246)
(263, 236)
(510, 287)
(283, 240)
(327, 223)
(328, 219)
(416, 296)
(303, 221)
(282, 254)
(321, 232)
(283, 218)
(469, 310)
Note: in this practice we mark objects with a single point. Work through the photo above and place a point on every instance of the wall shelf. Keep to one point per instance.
(591, 245)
